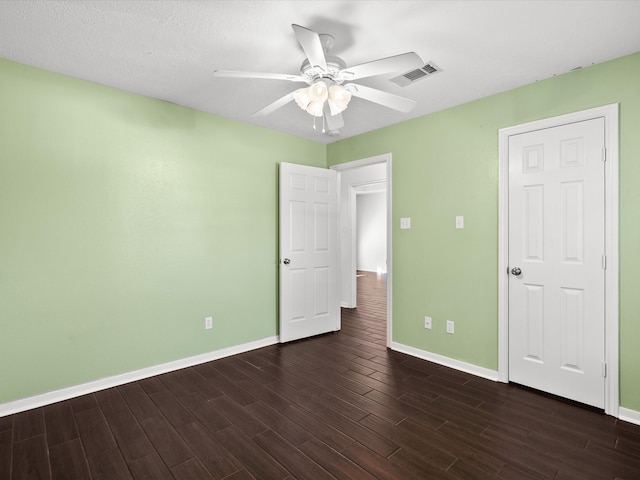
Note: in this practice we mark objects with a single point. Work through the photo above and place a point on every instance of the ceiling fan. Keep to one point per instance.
(329, 81)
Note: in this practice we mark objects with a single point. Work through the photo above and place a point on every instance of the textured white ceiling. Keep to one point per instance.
(169, 49)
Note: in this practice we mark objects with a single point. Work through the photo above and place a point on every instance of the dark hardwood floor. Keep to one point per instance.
(335, 406)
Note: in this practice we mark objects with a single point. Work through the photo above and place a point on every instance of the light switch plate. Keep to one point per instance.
(459, 221)
(405, 223)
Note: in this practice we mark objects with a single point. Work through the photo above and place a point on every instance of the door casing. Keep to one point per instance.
(610, 115)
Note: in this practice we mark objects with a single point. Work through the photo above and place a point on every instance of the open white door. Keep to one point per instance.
(308, 252)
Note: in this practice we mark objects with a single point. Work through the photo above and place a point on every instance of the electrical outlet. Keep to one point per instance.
(208, 323)
(427, 323)
(450, 326)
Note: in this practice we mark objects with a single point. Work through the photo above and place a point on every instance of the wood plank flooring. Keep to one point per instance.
(337, 406)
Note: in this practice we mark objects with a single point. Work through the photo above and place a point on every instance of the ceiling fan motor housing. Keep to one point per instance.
(335, 65)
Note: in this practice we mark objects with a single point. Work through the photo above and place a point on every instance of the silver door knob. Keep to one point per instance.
(286, 261)
(516, 271)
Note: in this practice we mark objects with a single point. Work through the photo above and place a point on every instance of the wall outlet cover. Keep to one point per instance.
(450, 326)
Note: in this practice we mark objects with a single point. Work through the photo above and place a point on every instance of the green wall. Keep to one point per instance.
(446, 164)
(124, 221)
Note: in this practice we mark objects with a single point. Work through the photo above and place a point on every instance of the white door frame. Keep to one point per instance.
(610, 115)
(384, 158)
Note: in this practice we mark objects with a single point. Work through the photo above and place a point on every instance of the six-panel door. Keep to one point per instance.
(308, 252)
(556, 240)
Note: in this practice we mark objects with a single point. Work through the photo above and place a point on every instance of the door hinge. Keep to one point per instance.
(604, 370)
(604, 262)
(604, 154)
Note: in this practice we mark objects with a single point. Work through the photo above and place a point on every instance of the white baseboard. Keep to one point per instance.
(17, 406)
(624, 414)
(446, 361)
(48, 398)
(628, 415)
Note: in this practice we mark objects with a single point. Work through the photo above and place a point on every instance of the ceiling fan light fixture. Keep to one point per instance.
(315, 108)
(312, 99)
(318, 92)
(339, 98)
(302, 98)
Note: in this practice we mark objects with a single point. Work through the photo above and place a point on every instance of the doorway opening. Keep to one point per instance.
(365, 271)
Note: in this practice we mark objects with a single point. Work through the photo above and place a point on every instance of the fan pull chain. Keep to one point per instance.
(323, 124)
(314, 123)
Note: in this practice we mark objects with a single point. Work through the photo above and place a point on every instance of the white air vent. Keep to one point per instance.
(414, 76)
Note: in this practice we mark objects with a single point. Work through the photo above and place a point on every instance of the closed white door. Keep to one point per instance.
(308, 252)
(556, 260)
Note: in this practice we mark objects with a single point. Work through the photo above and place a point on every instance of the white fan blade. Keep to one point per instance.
(332, 122)
(281, 102)
(310, 43)
(397, 63)
(268, 76)
(383, 98)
